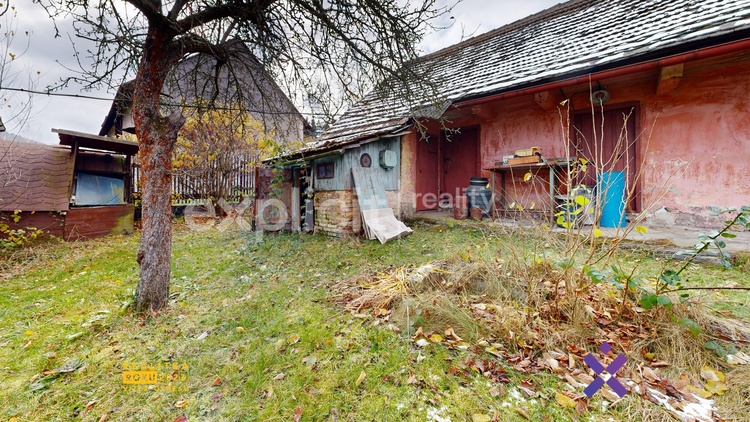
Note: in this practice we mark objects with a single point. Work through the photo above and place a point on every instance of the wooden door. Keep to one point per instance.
(427, 173)
(608, 140)
(460, 160)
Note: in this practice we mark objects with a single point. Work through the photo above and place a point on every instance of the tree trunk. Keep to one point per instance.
(157, 135)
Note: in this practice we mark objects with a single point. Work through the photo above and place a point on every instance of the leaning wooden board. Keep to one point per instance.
(378, 219)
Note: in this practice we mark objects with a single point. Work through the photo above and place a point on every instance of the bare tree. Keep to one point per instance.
(150, 37)
(15, 104)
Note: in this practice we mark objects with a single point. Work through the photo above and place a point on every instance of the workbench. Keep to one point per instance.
(551, 166)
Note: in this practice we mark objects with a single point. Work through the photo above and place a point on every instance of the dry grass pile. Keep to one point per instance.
(531, 318)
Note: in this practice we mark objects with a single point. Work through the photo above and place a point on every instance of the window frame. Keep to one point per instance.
(325, 170)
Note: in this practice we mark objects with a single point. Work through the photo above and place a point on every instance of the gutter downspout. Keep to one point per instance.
(705, 53)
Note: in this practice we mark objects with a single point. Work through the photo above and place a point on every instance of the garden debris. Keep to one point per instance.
(529, 327)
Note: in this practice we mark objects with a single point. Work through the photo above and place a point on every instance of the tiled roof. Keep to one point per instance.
(34, 177)
(571, 39)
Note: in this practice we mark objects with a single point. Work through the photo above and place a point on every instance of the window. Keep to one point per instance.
(324, 171)
(94, 189)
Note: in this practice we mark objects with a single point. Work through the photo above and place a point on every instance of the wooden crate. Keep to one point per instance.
(528, 152)
(524, 160)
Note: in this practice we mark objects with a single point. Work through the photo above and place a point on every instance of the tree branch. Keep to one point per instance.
(176, 9)
(151, 10)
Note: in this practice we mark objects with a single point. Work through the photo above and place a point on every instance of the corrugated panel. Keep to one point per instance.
(569, 39)
(377, 217)
(34, 177)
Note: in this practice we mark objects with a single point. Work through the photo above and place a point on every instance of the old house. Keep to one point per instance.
(79, 189)
(658, 90)
(239, 82)
(235, 83)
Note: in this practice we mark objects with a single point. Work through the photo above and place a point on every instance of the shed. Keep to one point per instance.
(657, 90)
(79, 189)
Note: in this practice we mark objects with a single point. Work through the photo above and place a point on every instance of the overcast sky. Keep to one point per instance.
(50, 56)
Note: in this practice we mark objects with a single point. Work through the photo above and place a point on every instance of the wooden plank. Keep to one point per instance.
(91, 222)
(669, 79)
(51, 223)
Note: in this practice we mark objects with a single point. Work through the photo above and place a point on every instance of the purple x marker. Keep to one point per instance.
(611, 369)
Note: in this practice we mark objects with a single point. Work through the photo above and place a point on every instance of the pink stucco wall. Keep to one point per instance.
(693, 142)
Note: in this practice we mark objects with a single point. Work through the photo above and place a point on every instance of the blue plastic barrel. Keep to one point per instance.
(611, 185)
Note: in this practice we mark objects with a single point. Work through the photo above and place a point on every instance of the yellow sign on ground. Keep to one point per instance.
(159, 376)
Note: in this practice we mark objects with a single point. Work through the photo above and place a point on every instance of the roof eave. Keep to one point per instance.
(701, 49)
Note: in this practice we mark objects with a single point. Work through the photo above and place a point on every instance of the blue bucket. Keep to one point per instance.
(611, 185)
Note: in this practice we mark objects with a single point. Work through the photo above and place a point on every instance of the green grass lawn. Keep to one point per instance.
(254, 332)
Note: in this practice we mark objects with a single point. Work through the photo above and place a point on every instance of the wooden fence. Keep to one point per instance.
(188, 189)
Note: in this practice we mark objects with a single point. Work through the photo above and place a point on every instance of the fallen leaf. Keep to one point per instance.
(90, 405)
(699, 391)
(710, 374)
(523, 413)
(216, 396)
(217, 381)
(497, 391)
(182, 418)
(738, 358)
(297, 414)
(436, 338)
(714, 387)
(361, 378)
(650, 374)
(240, 330)
(478, 417)
(103, 418)
(294, 339)
(412, 379)
(202, 336)
(181, 403)
(310, 361)
(565, 401)
(450, 333)
(659, 364)
(279, 377)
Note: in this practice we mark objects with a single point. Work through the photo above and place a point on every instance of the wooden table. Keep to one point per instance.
(551, 166)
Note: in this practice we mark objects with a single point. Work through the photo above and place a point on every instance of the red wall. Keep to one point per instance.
(693, 142)
(51, 223)
(90, 222)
